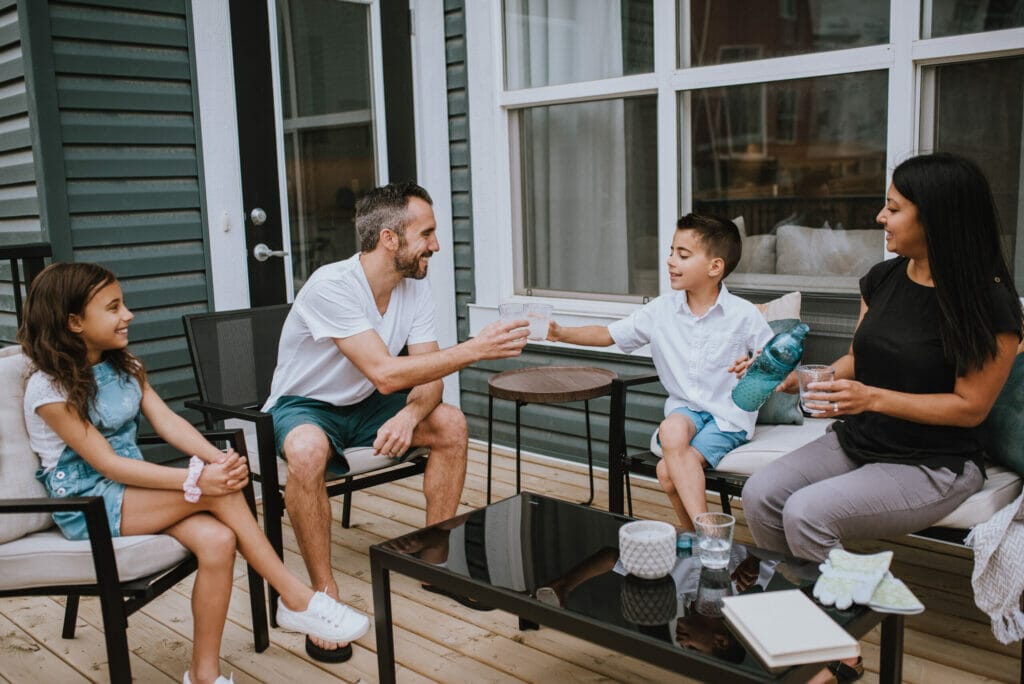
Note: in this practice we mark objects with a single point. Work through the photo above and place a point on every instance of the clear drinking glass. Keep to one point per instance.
(807, 374)
(714, 538)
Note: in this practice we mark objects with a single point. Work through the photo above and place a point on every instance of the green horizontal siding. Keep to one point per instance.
(135, 95)
(125, 61)
(99, 230)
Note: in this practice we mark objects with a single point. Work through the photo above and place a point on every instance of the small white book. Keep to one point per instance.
(786, 628)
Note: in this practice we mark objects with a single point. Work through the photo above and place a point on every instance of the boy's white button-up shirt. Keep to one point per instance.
(692, 353)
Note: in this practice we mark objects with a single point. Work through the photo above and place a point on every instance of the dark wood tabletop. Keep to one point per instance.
(551, 384)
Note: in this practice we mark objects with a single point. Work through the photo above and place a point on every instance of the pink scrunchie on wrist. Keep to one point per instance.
(195, 469)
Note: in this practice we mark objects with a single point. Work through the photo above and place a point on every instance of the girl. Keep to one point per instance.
(82, 405)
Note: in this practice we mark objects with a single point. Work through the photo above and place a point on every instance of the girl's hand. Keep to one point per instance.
(840, 397)
(229, 474)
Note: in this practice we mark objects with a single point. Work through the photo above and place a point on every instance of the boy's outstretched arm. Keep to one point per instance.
(589, 335)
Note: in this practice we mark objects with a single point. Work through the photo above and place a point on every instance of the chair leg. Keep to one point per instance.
(70, 617)
(257, 596)
(724, 497)
(629, 491)
(273, 505)
(346, 509)
(115, 633)
(590, 456)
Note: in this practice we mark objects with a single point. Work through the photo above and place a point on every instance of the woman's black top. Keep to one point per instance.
(898, 346)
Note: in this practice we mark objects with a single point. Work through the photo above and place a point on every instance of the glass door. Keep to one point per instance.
(332, 123)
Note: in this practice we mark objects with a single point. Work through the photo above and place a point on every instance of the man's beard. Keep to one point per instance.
(408, 265)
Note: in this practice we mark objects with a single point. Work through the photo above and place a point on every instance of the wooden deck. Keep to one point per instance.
(438, 640)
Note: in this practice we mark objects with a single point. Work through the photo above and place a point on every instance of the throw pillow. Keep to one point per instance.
(18, 463)
(781, 408)
(825, 252)
(1002, 432)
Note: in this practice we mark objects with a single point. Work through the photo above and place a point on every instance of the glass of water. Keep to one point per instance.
(714, 538)
(539, 315)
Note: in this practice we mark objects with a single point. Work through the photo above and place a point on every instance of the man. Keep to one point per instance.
(339, 374)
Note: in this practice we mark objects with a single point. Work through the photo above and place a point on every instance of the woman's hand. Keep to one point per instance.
(229, 474)
(840, 397)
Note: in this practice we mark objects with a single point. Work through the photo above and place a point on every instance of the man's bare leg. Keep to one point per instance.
(445, 432)
(307, 450)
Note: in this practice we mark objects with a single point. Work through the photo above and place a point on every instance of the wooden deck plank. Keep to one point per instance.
(438, 640)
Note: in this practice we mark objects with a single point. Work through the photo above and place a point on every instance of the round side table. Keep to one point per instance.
(546, 385)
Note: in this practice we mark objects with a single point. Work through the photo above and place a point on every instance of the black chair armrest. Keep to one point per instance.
(236, 438)
(46, 504)
(222, 411)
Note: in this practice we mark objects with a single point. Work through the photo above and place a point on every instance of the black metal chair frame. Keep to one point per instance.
(33, 256)
(273, 498)
(119, 599)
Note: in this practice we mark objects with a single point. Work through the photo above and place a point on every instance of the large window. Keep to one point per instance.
(596, 124)
(799, 164)
(988, 131)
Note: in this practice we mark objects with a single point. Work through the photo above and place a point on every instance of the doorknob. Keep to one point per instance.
(261, 252)
(258, 216)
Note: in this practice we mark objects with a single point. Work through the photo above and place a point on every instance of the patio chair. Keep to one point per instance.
(125, 573)
(233, 356)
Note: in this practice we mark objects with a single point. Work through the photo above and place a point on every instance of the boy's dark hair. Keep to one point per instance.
(385, 208)
(719, 236)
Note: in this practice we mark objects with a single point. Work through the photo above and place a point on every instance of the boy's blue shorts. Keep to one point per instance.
(345, 426)
(712, 443)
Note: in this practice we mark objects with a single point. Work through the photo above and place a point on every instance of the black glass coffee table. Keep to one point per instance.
(555, 563)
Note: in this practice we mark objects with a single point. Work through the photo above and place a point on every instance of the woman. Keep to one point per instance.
(937, 335)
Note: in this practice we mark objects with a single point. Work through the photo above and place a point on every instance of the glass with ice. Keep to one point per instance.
(714, 538)
(807, 374)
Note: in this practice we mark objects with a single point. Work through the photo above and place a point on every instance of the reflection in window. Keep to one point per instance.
(988, 132)
(802, 162)
(548, 42)
(957, 17)
(717, 28)
(328, 126)
(589, 197)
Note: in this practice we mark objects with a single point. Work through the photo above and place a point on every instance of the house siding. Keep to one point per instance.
(19, 197)
(116, 140)
(560, 430)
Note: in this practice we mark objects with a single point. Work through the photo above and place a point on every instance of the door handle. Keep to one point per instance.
(261, 252)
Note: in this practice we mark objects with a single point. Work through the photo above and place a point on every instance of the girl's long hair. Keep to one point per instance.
(59, 291)
(961, 226)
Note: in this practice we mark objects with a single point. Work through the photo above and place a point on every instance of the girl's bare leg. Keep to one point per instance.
(214, 547)
(149, 511)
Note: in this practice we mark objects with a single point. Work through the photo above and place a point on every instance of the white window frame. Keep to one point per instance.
(492, 135)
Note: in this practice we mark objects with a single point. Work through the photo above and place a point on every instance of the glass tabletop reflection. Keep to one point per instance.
(566, 556)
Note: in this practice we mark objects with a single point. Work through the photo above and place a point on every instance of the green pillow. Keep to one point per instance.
(781, 408)
(1002, 433)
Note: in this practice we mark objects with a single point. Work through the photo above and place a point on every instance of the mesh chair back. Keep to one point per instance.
(234, 353)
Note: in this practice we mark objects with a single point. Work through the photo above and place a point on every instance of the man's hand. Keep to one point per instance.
(502, 340)
(395, 436)
(229, 474)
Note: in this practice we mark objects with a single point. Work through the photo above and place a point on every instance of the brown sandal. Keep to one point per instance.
(847, 673)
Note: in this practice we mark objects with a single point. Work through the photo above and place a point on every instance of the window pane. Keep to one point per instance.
(739, 30)
(988, 132)
(955, 17)
(548, 42)
(802, 162)
(589, 198)
(327, 60)
(328, 170)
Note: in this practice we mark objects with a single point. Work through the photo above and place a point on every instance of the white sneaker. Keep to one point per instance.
(220, 679)
(324, 618)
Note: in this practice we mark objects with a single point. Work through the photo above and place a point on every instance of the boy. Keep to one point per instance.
(700, 335)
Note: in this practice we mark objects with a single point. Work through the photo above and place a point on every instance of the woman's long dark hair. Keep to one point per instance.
(961, 226)
(57, 293)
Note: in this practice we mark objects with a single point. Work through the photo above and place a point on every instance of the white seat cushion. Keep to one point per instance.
(1001, 487)
(360, 460)
(47, 558)
(769, 443)
(18, 463)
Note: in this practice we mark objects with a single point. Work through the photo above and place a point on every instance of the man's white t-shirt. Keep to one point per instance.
(337, 302)
(692, 353)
